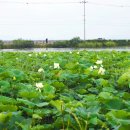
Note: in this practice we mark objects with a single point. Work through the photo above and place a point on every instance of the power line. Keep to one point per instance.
(16, 2)
(11, 2)
(71, 2)
(109, 5)
(40, 24)
(54, 2)
(50, 3)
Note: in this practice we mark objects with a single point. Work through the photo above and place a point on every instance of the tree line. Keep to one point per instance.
(73, 43)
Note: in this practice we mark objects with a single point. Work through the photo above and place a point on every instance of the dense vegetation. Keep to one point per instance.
(66, 43)
(22, 44)
(73, 43)
(17, 44)
(78, 43)
(68, 91)
(1, 44)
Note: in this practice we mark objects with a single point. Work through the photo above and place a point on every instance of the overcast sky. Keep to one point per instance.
(56, 20)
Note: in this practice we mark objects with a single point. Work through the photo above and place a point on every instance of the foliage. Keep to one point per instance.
(110, 44)
(66, 43)
(124, 80)
(59, 44)
(90, 45)
(75, 42)
(23, 44)
(74, 96)
(1, 44)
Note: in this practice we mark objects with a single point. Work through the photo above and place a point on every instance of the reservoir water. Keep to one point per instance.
(64, 49)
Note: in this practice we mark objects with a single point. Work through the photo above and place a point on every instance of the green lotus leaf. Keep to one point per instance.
(118, 118)
(49, 92)
(29, 111)
(19, 75)
(58, 104)
(38, 127)
(8, 108)
(110, 90)
(2, 69)
(105, 95)
(28, 94)
(124, 80)
(43, 104)
(115, 104)
(25, 102)
(91, 100)
(36, 116)
(82, 112)
(25, 124)
(7, 100)
(4, 75)
(43, 112)
(122, 127)
(5, 86)
(48, 89)
(58, 85)
(93, 121)
(4, 117)
(102, 82)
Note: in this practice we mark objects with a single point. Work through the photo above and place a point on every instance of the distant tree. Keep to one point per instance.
(20, 43)
(110, 44)
(75, 41)
(1, 44)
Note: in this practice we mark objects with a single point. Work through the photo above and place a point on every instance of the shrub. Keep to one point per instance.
(75, 41)
(99, 44)
(59, 44)
(23, 44)
(110, 44)
(90, 44)
(1, 44)
(66, 43)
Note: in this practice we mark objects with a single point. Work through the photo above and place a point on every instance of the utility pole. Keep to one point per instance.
(84, 3)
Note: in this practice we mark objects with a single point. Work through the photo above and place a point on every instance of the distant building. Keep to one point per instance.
(101, 39)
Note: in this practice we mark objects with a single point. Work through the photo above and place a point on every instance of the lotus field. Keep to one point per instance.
(65, 90)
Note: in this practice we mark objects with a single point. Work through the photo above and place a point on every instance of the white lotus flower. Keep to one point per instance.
(44, 55)
(95, 67)
(41, 70)
(101, 71)
(99, 62)
(56, 66)
(39, 86)
(78, 52)
(30, 55)
(70, 52)
(50, 67)
(102, 66)
(91, 68)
